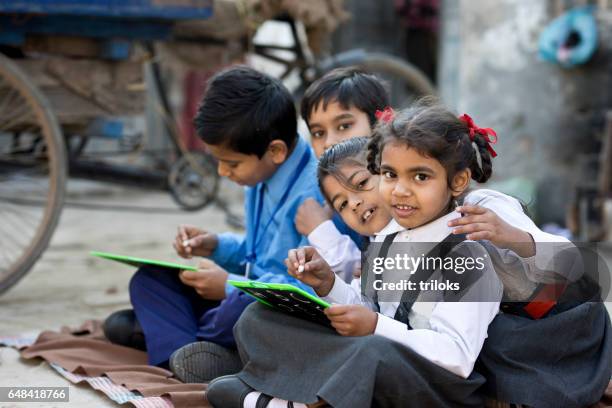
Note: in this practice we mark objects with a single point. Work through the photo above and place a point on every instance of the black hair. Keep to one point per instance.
(352, 151)
(350, 87)
(244, 110)
(435, 132)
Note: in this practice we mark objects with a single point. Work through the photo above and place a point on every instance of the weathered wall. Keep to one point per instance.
(373, 25)
(547, 117)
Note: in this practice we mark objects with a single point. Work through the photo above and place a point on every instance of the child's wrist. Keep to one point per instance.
(326, 286)
(522, 243)
(314, 224)
(215, 245)
(374, 323)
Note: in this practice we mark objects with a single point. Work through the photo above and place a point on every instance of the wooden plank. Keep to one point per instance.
(63, 45)
(36, 72)
(49, 70)
(80, 90)
(73, 109)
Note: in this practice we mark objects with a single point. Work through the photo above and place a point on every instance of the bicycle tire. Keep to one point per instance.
(193, 181)
(55, 158)
(413, 79)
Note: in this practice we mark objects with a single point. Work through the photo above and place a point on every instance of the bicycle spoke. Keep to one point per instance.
(18, 205)
(5, 256)
(7, 101)
(18, 199)
(4, 270)
(17, 119)
(16, 109)
(32, 176)
(20, 217)
(12, 244)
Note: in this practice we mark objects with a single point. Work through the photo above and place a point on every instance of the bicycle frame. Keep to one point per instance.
(304, 60)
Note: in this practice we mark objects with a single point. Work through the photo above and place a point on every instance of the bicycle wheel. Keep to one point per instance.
(406, 82)
(32, 173)
(193, 181)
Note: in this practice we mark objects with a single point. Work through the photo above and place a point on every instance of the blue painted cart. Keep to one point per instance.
(121, 9)
(109, 20)
(67, 69)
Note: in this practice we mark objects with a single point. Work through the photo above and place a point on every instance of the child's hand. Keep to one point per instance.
(209, 280)
(310, 215)
(309, 267)
(357, 272)
(192, 241)
(480, 223)
(352, 320)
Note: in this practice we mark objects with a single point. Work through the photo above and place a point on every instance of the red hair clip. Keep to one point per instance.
(489, 134)
(386, 115)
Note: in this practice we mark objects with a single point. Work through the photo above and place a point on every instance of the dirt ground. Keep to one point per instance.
(68, 286)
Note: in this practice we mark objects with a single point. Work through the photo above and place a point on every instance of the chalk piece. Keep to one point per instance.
(186, 243)
(300, 268)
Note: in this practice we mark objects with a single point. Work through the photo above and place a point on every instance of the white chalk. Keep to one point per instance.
(300, 268)
(186, 243)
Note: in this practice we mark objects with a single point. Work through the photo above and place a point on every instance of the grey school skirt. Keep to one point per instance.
(562, 360)
(297, 360)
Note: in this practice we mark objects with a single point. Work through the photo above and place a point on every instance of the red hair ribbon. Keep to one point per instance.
(489, 134)
(386, 115)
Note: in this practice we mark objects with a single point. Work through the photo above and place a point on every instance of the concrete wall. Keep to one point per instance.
(374, 26)
(548, 118)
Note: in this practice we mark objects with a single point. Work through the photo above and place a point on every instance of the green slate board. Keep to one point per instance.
(286, 298)
(138, 262)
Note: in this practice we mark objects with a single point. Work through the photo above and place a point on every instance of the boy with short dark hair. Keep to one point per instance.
(342, 104)
(244, 111)
(248, 122)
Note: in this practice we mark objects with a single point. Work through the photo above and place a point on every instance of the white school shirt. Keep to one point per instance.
(540, 268)
(449, 334)
(338, 250)
(343, 255)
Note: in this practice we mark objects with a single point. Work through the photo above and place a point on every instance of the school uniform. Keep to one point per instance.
(344, 256)
(423, 356)
(339, 250)
(539, 268)
(172, 314)
(559, 357)
(561, 360)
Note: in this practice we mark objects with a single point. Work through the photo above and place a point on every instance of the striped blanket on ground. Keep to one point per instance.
(117, 393)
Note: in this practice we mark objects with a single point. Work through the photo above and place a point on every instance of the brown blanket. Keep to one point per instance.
(85, 351)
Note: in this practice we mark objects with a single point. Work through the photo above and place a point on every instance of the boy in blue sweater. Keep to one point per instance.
(248, 122)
